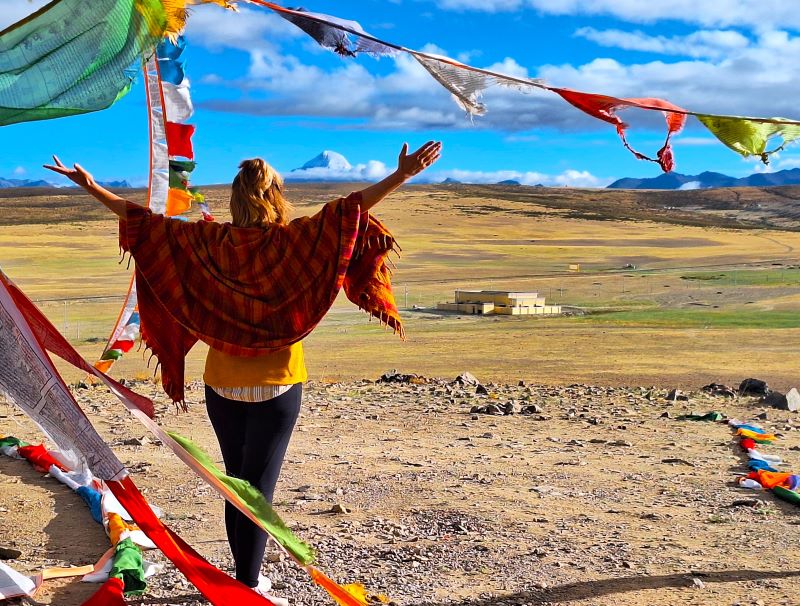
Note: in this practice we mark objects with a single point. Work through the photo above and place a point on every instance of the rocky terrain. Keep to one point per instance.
(560, 495)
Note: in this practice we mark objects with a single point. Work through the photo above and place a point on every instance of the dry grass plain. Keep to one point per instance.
(735, 316)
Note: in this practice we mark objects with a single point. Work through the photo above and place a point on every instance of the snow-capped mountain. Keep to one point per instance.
(333, 166)
(330, 160)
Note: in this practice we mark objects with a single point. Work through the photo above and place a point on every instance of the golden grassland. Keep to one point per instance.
(705, 302)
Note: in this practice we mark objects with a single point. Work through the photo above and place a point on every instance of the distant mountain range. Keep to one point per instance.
(709, 180)
(42, 183)
(24, 183)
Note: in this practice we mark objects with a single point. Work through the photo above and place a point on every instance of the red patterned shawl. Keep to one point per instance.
(247, 291)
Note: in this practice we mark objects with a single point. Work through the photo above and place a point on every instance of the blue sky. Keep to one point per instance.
(263, 88)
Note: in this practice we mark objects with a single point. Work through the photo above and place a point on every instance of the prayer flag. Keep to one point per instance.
(73, 57)
(178, 202)
(178, 101)
(748, 136)
(604, 108)
(248, 495)
(179, 139)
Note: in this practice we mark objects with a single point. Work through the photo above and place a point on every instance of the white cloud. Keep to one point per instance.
(730, 73)
(20, 170)
(339, 169)
(371, 171)
(783, 160)
(787, 163)
(712, 44)
(17, 10)
(568, 178)
(696, 141)
(759, 79)
(755, 14)
(215, 28)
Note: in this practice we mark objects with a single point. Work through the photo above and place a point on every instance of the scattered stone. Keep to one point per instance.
(666, 415)
(339, 508)
(481, 390)
(511, 408)
(531, 409)
(718, 389)
(746, 503)
(698, 583)
(393, 376)
(676, 395)
(753, 387)
(762, 416)
(466, 378)
(144, 440)
(624, 443)
(790, 401)
(677, 462)
(7, 553)
(793, 400)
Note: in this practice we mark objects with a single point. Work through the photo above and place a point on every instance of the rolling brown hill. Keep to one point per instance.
(737, 208)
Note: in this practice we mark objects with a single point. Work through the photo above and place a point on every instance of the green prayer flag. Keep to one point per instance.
(129, 566)
(790, 496)
(11, 441)
(75, 56)
(749, 137)
(178, 179)
(186, 166)
(112, 354)
(254, 500)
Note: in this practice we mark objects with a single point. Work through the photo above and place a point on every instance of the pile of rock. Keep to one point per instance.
(394, 376)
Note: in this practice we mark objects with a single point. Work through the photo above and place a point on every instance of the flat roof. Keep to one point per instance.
(509, 293)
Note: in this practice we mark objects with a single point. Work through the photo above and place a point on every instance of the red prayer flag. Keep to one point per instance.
(39, 457)
(604, 108)
(179, 139)
(214, 584)
(110, 594)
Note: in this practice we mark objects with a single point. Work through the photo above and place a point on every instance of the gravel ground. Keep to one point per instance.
(580, 495)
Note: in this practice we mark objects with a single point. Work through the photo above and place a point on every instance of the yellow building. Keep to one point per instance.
(499, 302)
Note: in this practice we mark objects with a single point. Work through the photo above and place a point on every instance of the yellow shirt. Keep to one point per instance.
(282, 367)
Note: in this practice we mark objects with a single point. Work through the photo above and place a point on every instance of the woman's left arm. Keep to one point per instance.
(408, 165)
(80, 176)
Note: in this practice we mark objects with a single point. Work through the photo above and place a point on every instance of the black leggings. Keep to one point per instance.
(253, 438)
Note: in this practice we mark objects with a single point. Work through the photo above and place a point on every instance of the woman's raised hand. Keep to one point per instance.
(77, 174)
(409, 165)
(80, 176)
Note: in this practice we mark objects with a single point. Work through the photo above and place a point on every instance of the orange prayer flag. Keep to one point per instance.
(178, 202)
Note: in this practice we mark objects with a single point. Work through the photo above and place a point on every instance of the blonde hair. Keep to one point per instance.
(257, 196)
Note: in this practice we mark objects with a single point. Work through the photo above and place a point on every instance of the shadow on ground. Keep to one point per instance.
(72, 536)
(584, 590)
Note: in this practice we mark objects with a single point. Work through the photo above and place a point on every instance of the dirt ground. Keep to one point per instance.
(598, 499)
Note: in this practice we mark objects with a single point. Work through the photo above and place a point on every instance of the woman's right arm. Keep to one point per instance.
(408, 165)
(80, 176)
